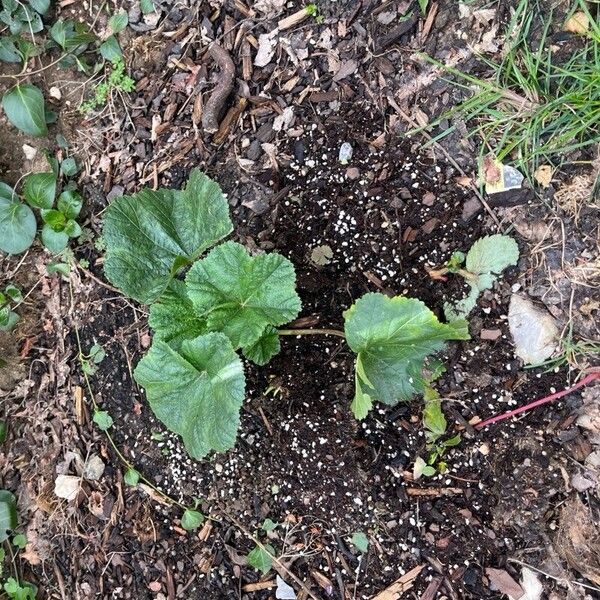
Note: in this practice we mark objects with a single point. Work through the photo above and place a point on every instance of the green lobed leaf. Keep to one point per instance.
(20, 591)
(147, 232)
(68, 167)
(173, 317)
(103, 420)
(261, 558)
(433, 418)
(391, 338)
(360, 541)
(131, 477)
(196, 391)
(25, 109)
(39, 189)
(191, 519)
(492, 254)
(8, 514)
(241, 295)
(8, 318)
(17, 222)
(265, 348)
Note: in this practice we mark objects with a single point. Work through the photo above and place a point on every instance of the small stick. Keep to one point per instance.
(591, 377)
(214, 105)
(294, 19)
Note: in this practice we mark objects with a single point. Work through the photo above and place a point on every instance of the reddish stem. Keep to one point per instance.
(589, 378)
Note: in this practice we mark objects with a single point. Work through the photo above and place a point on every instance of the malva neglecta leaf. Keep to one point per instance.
(17, 222)
(173, 317)
(492, 254)
(265, 348)
(8, 514)
(391, 338)
(148, 232)
(196, 391)
(241, 295)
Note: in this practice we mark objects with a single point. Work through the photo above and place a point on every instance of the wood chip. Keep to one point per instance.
(501, 581)
(490, 334)
(401, 585)
(294, 19)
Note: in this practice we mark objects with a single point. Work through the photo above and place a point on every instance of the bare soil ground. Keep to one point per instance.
(511, 504)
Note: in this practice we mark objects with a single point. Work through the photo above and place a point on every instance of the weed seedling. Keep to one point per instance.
(118, 81)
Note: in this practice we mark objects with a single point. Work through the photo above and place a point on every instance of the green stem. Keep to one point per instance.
(311, 332)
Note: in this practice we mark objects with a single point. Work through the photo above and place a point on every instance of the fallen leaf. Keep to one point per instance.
(266, 49)
(67, 486)
(543, 175)
(578, 23)
(501, 581)
(321, 255)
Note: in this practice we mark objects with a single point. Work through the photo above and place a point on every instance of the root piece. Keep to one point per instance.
(213, 109)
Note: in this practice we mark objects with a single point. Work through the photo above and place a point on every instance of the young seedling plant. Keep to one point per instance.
(58, 211)
(230, 301)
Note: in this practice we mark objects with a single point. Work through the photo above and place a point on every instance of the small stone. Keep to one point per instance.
(352, 173)
(94, 468)
(429, 199)
(29, 151)
(490, 334)
(533, 329)
(55, 93)
(470, 208)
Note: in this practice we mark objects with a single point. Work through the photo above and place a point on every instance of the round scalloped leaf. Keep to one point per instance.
(153, 233)
(492, 254)
(241, 295)
(39, 189)
(196, 391)
(8, 514)
(392, 337)
(265, 348)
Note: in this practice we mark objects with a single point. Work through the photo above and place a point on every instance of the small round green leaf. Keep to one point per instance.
(360, 541)
(20, 541)
(13, 292)
(55, 241)
(118, 21)
(192, 519)
(39, 189)
(68, 167)
(103, 420)
(25, 109)
(70, 203)
(110, 49)
(54, 218)
(17, 226)
(132, 477)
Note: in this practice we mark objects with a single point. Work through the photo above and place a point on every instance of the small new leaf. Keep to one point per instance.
(173, 317)
(241, 295)
(196, 391)
(360, 541)
(132, 477)
(261, 558)
(103, 420)
(192, 519)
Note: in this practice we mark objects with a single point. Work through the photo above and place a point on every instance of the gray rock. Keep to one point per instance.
(533, 329)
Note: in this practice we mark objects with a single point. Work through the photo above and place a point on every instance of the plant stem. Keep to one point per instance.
(311, 332)
(591, 377)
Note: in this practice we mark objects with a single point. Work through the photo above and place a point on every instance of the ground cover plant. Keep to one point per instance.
(233, 301)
